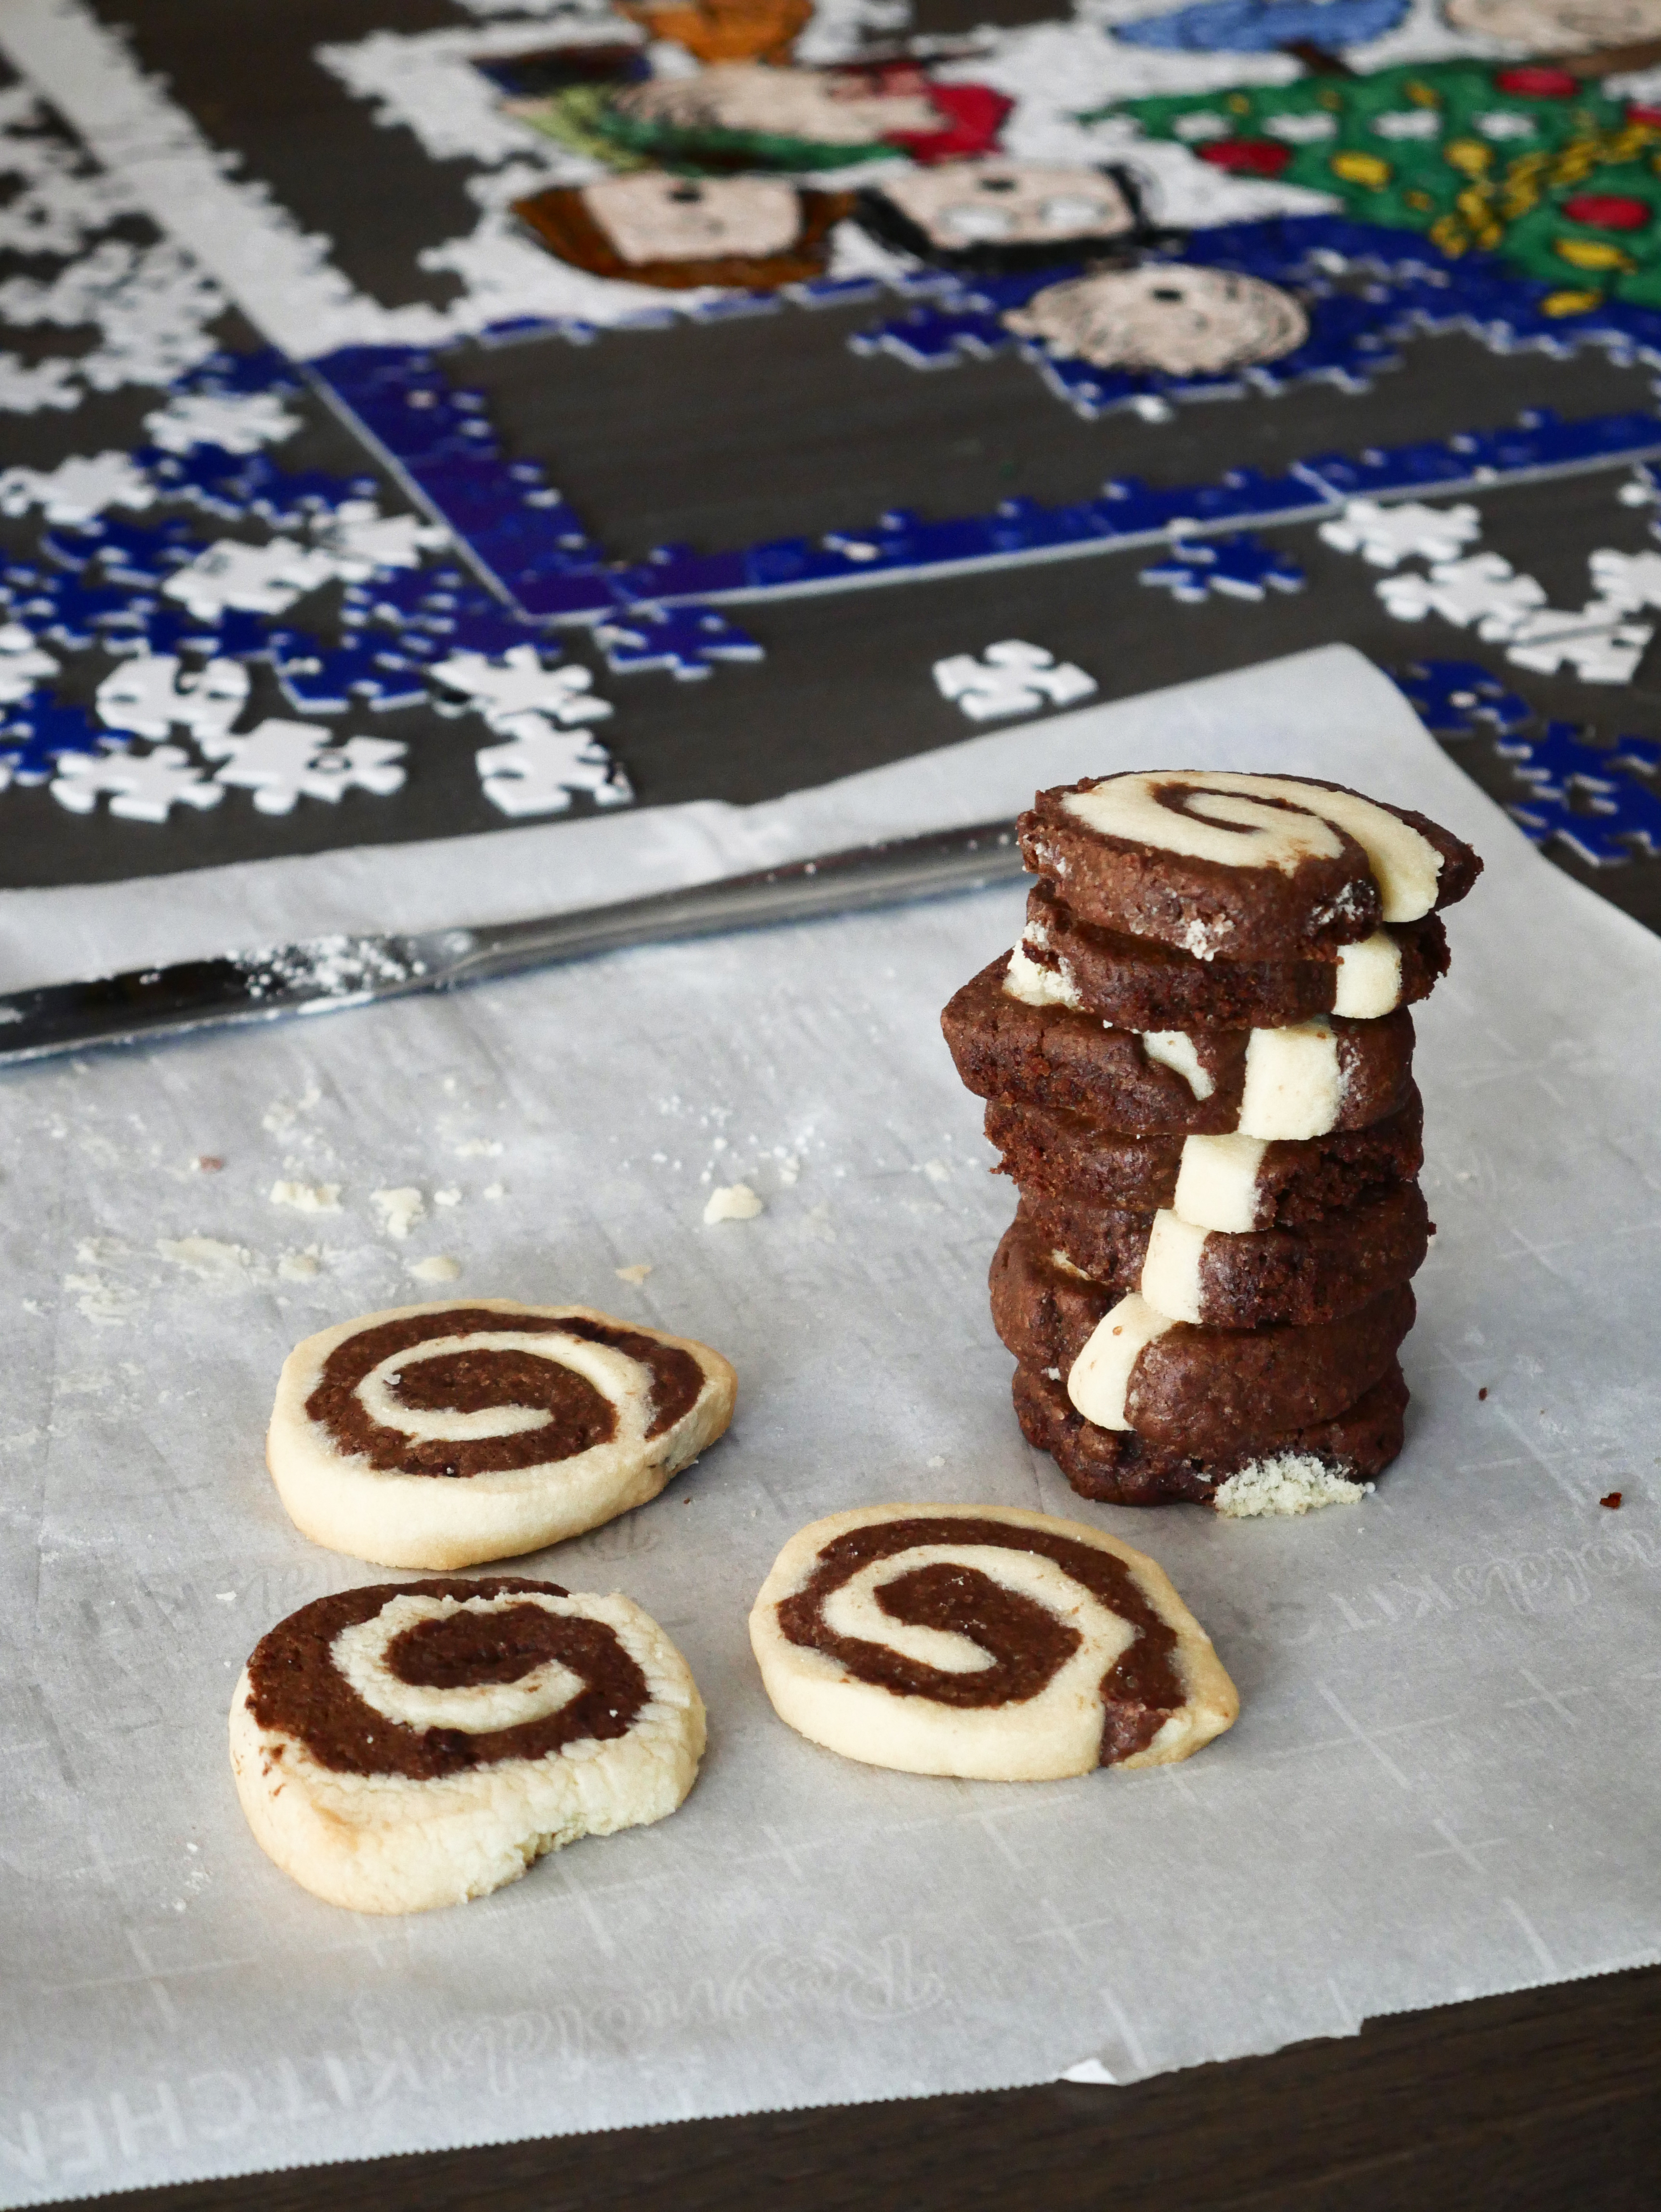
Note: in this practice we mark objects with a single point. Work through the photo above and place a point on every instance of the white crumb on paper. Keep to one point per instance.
(937, 1171)
(636, 1273)
(732, 1201)
(494, 1190)
(439, 1268)
(301, 1266)
(282, 1113)
(449, 1197)
(307, 1197)
(1290, 1483)
(206, 1257)
(478, 1148)
(399, 1209)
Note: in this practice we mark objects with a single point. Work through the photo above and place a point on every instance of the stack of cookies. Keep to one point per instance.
(1198, 1070)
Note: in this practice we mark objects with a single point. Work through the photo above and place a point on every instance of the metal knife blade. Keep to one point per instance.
(329, 974)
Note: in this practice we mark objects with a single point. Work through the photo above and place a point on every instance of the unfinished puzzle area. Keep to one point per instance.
(428, 419)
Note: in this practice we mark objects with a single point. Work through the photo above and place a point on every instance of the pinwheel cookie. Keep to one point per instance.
(984, 1641)
(442, 1436)
(417, 1744)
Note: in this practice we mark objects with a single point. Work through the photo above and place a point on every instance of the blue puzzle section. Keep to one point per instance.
(36, 735)
(1264, 27)
(1454, 697)
(687, 640)
(1412, 287)
(440, 442)
(1239, 567)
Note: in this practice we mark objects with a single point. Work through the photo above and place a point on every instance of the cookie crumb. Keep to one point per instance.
(207, 1163)
(637, 1272)
(1289, 1483)
(307, 1197)
(1613, 1501)
(440, 1269)
(1482, 1393)
(732, 1201)
(399, 1209)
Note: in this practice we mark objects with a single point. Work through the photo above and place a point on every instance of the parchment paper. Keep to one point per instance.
(1443, 1781)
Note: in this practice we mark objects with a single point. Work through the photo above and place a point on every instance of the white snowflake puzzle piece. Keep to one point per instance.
(235, 422)
(502, 687)
(78, 488)
(258, 580)
(148, 695)
(1386, 535)
(361, 541)
(140, 786)
(542, 769)
(1010, 677)
(23, 664)
(1485, 589)
(1626, 580)
(1602, 644)
(283, 762)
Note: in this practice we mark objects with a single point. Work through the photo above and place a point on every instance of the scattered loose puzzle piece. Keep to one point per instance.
(321, 679)
(1559, 761)
(1010, 677)
(140, 786)
(1602, 644)
(686, 639)
(237, 422)
(77, 488)
(149, 697)
(1626, 580)
(31, 745)
(541, 768)
(361, 541)
(1383, 536)
(1605, 838)
(1452, 697)
(263, 580)
(1240, 566)
(283, 762)
(503, 686)
(1485, 589)
(24, 666)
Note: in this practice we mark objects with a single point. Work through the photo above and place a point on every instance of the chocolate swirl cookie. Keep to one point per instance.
(441, 1436)
(985, 1641)
(1229, 866)
(417, 1744)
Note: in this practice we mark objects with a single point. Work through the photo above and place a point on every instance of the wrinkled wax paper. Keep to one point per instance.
(1445, 1779)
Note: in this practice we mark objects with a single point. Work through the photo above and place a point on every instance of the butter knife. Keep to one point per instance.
(327, 974)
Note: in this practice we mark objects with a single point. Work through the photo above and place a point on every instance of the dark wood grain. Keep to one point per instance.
(1548, 2101)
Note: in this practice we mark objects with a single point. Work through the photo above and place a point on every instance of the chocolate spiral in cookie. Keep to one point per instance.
(452, 1392)
(989, 1642)
(443, 1435)
(414, 1744)
(395, 1680)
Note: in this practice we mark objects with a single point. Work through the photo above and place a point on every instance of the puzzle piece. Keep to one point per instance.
(77, 488)
(23, 667)
(32, 745)
(1010, 677)
(237, 422)
(1240, 566)
(149, 697)
(1631, 580)
(1383, 536)
(1559, 763)
(541, 768)
(503, 686)
(140, 786)
(687, 639)
(321, 679)
(361, 541)
(1604, 838)
(1602, 644)
(283, 762)
(142, 555)
(263, 580)
(1485, 589)
(1452, 697)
